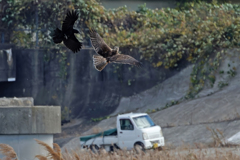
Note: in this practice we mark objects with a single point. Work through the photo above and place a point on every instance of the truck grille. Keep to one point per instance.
(153, 135)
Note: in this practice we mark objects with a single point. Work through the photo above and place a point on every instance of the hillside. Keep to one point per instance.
(216, 107)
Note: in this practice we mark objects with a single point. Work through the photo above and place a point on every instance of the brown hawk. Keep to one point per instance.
(108, 55)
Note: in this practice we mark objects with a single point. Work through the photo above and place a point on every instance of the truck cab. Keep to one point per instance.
(133, 129)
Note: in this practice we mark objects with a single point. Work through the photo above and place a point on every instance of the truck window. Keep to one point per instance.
(143, 121)
(126, 124)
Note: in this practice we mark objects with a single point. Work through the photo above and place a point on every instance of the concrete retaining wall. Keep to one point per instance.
(98, 93)
(21, 122)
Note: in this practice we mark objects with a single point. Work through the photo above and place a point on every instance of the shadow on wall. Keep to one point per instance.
(73, 82)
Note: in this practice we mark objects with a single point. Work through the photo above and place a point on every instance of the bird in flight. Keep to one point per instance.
(67, 33)
(108, 55)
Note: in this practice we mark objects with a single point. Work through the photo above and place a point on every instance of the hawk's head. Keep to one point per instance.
(116, 48)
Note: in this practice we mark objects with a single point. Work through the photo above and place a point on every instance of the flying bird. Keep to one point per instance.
(108, 55)
(66, 35)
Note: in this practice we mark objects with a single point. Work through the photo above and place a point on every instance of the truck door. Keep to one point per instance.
(126, 134)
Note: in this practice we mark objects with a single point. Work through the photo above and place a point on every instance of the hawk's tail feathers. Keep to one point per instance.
(99, 62)
(57, 36)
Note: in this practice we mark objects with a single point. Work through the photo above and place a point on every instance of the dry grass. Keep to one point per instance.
(40, 157)
(219, 139)
(8, 151)
(163, 155)
(54, 154)
(184, 152)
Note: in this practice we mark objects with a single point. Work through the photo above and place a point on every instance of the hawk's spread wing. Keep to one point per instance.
(98, 44)
(73, 44)
(69, 21)
(125, 59)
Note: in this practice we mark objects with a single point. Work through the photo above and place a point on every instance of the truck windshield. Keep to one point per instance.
(143, 121)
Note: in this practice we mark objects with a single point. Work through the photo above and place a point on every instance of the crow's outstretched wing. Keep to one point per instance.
(69, 21)
(73, 44)
(57, 35)
(99, 45)
(125, 59)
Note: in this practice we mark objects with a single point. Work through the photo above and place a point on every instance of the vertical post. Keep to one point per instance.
(36, 23)
(2, 37)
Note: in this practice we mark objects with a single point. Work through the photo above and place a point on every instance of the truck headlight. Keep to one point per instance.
(145, 136)
(161, 135)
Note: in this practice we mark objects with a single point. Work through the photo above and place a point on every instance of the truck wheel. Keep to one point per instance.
(113, 148)
(139, 147)
(94, 148)
(160, 148)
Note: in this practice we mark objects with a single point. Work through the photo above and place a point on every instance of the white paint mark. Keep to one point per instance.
(11, 79)
(9, 54)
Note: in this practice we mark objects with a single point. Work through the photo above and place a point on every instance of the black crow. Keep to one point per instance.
(67, 33)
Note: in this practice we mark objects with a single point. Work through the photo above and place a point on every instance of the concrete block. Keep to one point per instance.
(30, 120)
(23, 102)
(21, 123)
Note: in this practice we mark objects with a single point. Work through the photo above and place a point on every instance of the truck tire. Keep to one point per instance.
(114, 148)
(139, 147)
(94, 148)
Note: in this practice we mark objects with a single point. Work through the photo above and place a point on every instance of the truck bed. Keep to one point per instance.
(109, 132)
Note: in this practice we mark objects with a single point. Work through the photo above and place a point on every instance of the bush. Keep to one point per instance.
(163, 37)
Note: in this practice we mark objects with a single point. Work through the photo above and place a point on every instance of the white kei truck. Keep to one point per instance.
(134, 131)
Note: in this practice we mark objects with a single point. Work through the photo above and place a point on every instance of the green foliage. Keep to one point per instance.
(63, 65)
(232, 72)
(221, 72)
(151, 111)
(172, 103)
(188, 4)
(163, 37)
(212, 79)
(222, 84)
(100, 119)
(65, 114)
(21, 15)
